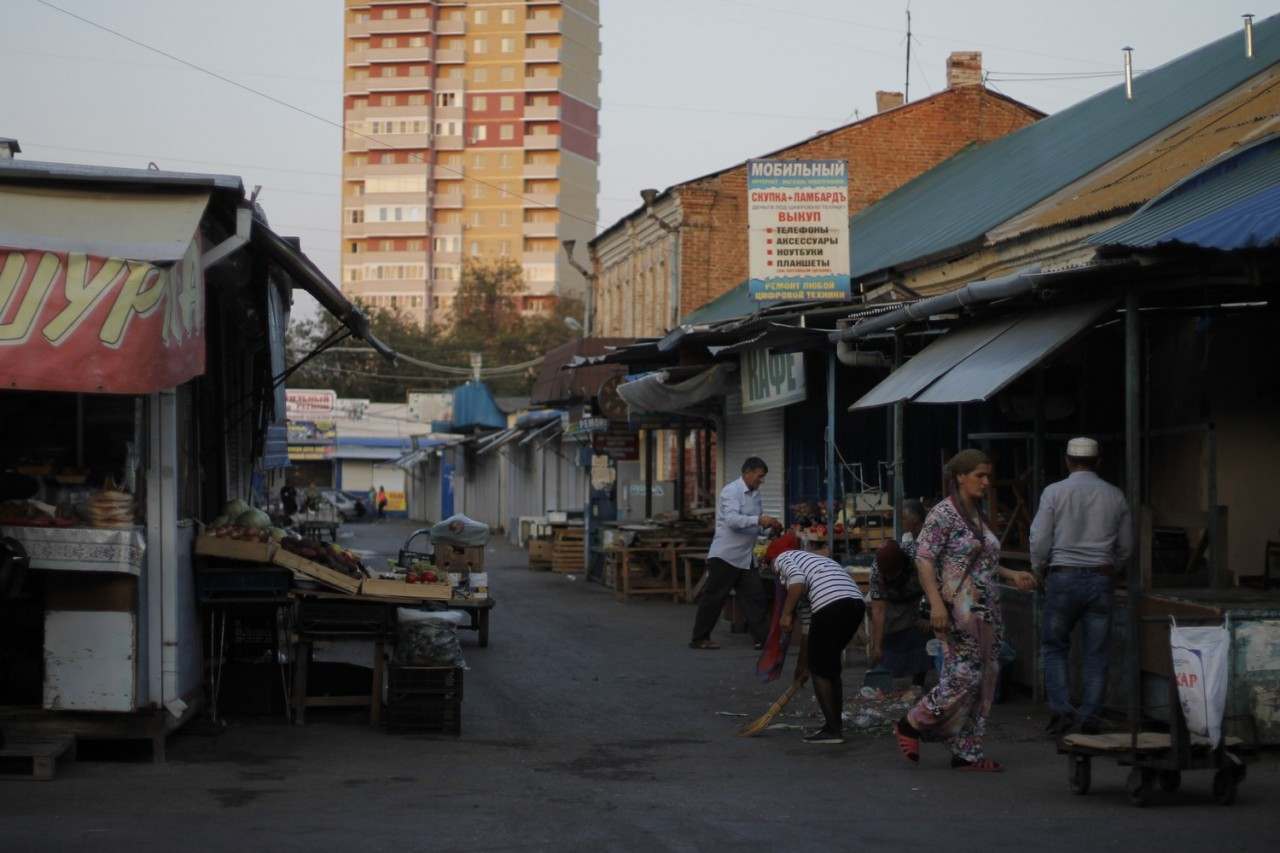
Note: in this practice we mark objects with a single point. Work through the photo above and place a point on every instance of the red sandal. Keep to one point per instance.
(982, 765)
(908, 745)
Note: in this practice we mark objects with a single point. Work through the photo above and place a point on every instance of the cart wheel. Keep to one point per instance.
(1225, 782)
(1139, 786)
(1080, 774)
(1170, 780)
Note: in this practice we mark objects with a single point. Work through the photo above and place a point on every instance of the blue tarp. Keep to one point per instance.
(474, 408)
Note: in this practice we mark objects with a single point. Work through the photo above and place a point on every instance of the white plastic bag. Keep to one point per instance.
(1201, 667)
(460, 530)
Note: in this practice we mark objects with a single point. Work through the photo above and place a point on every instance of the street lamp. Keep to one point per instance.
(591, 282)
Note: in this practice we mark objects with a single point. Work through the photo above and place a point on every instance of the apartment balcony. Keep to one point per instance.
(355, 86)
(441, 172)
(415, 257)
(542, 170)
(446, 229)
(448, 201)
(451, 28)
(416, 197)
(542, 54)
(539, 257)
(541, 142)
(541, 229)
(398, 54)
(387, 141)
(541, 82)
(449, 143)
(446, 257)
(456, 113)
(419, 111)
(542, 24)
(450, 56)
(541, 199)
(357, 58)
(389, 25)
(539, 112)
(377, 170)
(400, 84)
(389, 229)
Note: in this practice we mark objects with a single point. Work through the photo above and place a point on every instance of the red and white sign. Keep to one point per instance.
(76, 322)
(303, 403)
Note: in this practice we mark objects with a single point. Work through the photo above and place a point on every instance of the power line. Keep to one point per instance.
(283, 103)
(164, 158)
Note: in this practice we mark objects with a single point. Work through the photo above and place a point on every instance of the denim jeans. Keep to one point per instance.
(1071, 597)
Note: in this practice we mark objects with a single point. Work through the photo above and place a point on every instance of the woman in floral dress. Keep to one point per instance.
(957, 557)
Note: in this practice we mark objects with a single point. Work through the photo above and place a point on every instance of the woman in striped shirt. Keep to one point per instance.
(836, 605)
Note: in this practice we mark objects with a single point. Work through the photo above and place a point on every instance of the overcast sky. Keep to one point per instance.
(690, 86)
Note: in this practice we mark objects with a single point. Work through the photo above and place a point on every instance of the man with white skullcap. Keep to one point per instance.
(1080, 539)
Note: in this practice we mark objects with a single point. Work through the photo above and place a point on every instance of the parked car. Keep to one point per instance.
(344, 503)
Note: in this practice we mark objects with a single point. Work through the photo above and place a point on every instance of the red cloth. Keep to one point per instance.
(786, 542)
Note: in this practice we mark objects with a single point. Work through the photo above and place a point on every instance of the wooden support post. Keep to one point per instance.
(831, 455)
(1132, 484)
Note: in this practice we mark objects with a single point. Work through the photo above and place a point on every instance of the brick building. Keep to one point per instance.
(699, 228)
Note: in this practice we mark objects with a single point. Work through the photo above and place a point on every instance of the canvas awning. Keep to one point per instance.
(131, 226)
(653, 393)
(976, 362)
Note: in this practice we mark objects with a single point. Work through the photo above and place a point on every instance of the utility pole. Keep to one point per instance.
(906, 89)
(477, 361)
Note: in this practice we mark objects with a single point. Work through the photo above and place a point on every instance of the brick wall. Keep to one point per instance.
(884, 152)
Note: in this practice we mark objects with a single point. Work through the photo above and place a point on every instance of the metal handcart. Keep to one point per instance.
(1156, 758)
(478, 609)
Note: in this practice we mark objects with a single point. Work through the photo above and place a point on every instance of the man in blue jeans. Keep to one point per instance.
(1081, 536)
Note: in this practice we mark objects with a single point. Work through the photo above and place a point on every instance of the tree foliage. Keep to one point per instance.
(487, 318)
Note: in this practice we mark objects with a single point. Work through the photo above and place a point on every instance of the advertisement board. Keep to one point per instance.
(302, 403)
(798, 222)
(76, 322)
(771, 380)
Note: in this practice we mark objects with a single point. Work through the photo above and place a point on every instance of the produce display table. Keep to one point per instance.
(620, 556)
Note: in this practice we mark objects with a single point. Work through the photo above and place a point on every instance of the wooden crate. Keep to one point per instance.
(459, 558)
(34, 758)
(234, 549)
(541, 550)
(316, 572)
(567, 553)
(410, 591)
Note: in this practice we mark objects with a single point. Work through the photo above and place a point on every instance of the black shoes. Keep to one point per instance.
(824, 735)
(1059, 725)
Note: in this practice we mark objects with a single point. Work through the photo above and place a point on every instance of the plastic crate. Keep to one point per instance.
(425, 714)
(220, 583)
(345, 617)
(424, 680)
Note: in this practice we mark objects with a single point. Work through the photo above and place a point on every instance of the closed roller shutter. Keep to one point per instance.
(757, 434)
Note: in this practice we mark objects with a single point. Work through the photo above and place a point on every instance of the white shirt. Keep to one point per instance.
(1082, 521)
(737, 524)
(825, 580)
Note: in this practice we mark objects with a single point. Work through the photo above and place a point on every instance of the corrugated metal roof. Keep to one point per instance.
(1246, 114)
(35, 170)
(726, 306)
(1228, 205)
(558, 384)
(956, 203)
(975, 362)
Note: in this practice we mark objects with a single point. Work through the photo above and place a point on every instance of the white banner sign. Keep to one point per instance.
(798, 218)
(770, 380)
(309, 402)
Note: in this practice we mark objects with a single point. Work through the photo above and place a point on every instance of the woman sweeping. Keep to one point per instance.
(957, 557)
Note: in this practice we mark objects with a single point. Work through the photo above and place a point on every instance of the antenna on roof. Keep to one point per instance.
(1248, 35)
(906, 88)
(1128, 73)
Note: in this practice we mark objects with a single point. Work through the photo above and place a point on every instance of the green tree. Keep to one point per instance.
(490, 315)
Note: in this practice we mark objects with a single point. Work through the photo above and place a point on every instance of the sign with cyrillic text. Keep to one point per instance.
(798, 219)
(76, 322)
(771, 379)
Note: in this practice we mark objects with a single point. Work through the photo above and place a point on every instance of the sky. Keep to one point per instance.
(688, 86)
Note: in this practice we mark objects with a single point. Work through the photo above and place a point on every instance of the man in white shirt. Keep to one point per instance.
(1080, 538)
(739, 519)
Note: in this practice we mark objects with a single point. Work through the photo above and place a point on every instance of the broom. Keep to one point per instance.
(762, 722)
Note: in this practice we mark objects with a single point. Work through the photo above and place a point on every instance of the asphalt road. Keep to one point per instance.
(590, 725)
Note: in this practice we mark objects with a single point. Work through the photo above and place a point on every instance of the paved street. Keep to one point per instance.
(589, 725)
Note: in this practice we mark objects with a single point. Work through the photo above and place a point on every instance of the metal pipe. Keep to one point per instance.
(648, 474)
(1248, 35)
(1128, 73)
(682, 436)
(1217, 571)
(973, 293)
(860, 358)
(831, 456)
(1132, 479)
(1037, 443)
(899, 442)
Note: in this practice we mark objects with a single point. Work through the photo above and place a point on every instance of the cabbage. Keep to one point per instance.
(255, 519)
(277, 534)
(235, 508)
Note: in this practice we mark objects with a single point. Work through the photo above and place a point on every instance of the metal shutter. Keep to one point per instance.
(757, 434)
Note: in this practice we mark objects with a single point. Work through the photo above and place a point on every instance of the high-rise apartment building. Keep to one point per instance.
(471, 131)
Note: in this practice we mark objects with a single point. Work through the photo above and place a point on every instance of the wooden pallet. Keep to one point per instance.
(567, 551)
(34, 758)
